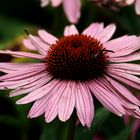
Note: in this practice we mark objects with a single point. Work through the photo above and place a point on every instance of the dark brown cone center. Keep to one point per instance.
(77, 57)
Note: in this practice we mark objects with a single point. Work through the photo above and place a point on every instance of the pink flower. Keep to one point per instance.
(71, 8)
(72, 69)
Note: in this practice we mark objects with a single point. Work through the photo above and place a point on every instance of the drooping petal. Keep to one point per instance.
(47, 37)
(123, 91)
(31, 86)
(91, 105)
(126, 68)
(122, 97)
(93, 29)
(19, 83)
(135, 112)
(72, 10)
(12, 67)
(20, 75)
(39, 107)
(67, 102)
(22, 54)
(10, 85)
(70, 30)
(53, 103)
(107, 33)
(126, 78)
(84, 104)
(39, 93)
(109, 100)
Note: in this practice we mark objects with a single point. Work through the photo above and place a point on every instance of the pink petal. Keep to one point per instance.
(108, 99)
(53, 103)
(28, 44)
(46, 37)
(70, 30)
(123, 91)
(123, 46)
(19, 83)
(107, 33)
(39, 107)
(17, 75)
(126, 78)
(72, 10)
(137, 7)
(22, 54)
(84, 104)
(56, 3)
(91, 104)
(67, 102)
(12, 67)
(10, 85)
(126, 68)
(41, 46)
(117, 42)
(46, 78)
(94, 29)
(135, 113)
(132, 57)
(30, 87)
(39, 93)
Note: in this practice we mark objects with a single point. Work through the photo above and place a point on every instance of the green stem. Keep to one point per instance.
(66, 129)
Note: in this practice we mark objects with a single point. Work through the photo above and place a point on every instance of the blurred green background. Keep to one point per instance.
(16, 16)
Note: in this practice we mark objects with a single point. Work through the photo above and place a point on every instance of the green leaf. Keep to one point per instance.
(11, 28)
(123, 135)
(129, 21)
(49, 131)
(10, 120)
(137, 136)
(100, 117)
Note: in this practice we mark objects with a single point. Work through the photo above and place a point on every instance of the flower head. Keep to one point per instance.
(72, 69)
(71, 8)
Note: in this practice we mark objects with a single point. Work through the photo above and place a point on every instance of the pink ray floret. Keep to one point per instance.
(71, 8)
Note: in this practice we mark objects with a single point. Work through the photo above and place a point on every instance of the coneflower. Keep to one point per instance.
(72, 69)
